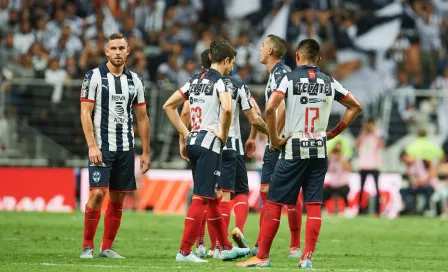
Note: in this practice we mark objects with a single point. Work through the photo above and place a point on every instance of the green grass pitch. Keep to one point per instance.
(52, 242)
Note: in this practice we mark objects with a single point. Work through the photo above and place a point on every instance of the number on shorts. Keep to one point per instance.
(313, 119)
(196, 117)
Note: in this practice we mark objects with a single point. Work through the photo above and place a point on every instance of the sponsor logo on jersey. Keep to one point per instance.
(197, 89)
(312, 143)
(196, 100)
(118, 97)
(312, 88)
(119, 110)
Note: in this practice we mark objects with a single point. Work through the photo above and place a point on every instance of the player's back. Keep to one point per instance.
(240, 101)
(203, 91)
(309, 96)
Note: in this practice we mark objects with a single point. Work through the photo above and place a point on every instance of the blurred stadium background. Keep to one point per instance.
(391, 54)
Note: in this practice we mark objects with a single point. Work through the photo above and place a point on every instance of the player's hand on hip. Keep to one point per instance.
(250, 147)
(220, 135)
(145, 162)
(183, 151)
(279, 143)
(95, 155)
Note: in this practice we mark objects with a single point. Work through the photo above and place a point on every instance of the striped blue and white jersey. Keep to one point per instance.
(309, 95)
(112, 114)
(202, 90)
(275, 77)
(240, 101)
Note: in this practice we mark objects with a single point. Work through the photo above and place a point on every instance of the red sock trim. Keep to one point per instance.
(192, 224)
(313, 225)
(112, 222)
(241, 210)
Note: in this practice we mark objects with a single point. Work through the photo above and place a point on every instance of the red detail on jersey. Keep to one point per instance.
(203, 75)
(87, 100)
(186, 98)
(311, 73)
(279, 92)
(313, 120)
(140, 104)
(345, 97)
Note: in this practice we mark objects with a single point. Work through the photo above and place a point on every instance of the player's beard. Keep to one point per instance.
(118, 63)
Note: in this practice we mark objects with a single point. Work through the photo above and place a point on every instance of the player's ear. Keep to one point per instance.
(319, 58)
(297, 56)
(128, 51)
(227, 60)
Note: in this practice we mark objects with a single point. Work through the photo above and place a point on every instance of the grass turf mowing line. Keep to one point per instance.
(52, 241)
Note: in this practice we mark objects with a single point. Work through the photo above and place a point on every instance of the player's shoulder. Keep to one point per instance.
(325, 77)
(212, 75)
(236, 81)
(133, 75)
(280, 68)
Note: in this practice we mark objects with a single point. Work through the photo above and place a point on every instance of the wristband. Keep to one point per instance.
(338, 129)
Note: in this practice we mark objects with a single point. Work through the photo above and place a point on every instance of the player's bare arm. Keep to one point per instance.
(170, 107)
(143, 131)
(256, 121)
(271, 120)
(250, 145)
(281, 117)
(95, 155)
(226, 119)
(185, 117)
(354, 108)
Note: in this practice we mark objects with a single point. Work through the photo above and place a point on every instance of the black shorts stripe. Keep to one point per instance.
(104, 113)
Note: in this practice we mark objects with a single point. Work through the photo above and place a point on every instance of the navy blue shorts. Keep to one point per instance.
(241, 181)
(228, 171)
(291, 175)
(270, 159)
(205, 166)
(115, 173)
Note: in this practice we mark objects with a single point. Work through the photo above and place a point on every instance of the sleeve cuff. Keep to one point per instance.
(279, 92)
(343, 98)
(87, 100)
(182, 93)
(140, 104)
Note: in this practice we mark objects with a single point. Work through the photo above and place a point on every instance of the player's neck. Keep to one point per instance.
(218, 67)
(116, 71)
(271, 63)
(305, 62)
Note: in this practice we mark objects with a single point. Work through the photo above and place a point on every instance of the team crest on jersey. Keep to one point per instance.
(131, 90)
(96, 176)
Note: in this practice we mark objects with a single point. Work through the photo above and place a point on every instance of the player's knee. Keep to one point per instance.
(97, 195)
(264, 189)
(226, 196)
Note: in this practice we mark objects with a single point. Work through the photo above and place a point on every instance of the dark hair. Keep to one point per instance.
(206, 62)
(280, 45)
(221, 51)
(117, 36)
(309, 48)
(403, 153)
(371, 120)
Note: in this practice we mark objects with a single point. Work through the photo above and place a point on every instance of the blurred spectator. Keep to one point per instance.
(24, 38)
(53, 29)
(187, 72)
(204, 42)
(441, 83)
(56, 77)
(424, 148)
(129, 28)
(369, 146)
(406, 100)
(8, 53)
(13, 22)
(39, 31)
(71, 68)
(169, 70)
(244, 49)
(422, 179)
(338, 168)
(74, 21)
(4, 12)
(244, 73)
(141, 68)
(39, 58)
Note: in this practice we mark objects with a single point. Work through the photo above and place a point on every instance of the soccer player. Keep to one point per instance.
(108, 94)
(233, 181)
(271, 54)
(210, 101)
(309, 96)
